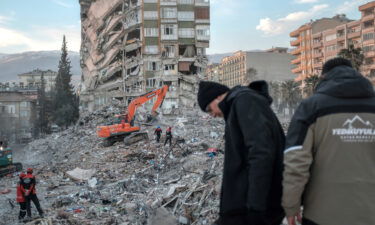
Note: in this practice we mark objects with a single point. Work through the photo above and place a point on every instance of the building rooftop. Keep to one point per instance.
(36, 72)
(322, 24)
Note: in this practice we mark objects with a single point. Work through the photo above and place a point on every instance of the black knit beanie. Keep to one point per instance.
(208, 91)
(332, 63)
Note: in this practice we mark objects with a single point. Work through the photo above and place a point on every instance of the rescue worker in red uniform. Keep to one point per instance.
(28, 183)
(158, 132)
(168, 136)
(21, 198)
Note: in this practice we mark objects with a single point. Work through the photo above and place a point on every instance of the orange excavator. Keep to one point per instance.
(123, 128)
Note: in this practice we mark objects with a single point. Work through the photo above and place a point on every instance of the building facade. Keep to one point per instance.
(368, 38)
(18, 113)
(33, 79)
(130, 47)
(243, 67)
(213, 72)
(320, 40)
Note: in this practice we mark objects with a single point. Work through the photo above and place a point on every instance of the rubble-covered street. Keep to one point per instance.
(81, 182)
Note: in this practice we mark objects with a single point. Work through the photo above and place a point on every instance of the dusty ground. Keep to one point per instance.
(145, 183)
(138, 184)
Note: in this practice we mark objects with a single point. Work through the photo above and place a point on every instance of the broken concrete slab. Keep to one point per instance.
(161, 216)
(79, 174)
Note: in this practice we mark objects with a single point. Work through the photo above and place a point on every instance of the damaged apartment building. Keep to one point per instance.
(130, 47)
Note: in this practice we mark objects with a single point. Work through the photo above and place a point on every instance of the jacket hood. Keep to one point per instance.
(260, 87)
(345, 82)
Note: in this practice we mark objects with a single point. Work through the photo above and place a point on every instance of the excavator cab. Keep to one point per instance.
(5, 156)
(6, 160)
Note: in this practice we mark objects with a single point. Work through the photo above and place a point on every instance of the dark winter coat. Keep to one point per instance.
(254, 144)
(330, 155)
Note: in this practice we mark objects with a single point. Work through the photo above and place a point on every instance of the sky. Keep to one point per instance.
(37, 25)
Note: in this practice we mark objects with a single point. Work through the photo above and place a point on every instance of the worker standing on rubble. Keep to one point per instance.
(28, 183)
(21, 198)
(168, 136)
(330, 155)
(254, 143)
(158, 132)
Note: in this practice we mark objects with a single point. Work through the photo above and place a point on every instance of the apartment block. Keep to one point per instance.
(130, 47)
(18, 112)
(368, 38)
(34, 79)
(243, 67)
(318, 41)
(213, 72)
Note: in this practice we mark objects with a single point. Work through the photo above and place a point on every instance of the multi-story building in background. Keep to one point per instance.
(368, 37)
(18, 112)
(130, 47)
(213, 72)
(243, 67)
(318, 41)
(33, 79)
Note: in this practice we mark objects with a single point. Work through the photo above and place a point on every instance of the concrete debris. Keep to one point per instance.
(162, 217)
(92, 182)
(144, 183)
(5, 191)
(80, 174)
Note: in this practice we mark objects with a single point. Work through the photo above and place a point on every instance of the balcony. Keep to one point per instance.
(186, 2)
(202, 2)
(317, 44)
(294, 33)
(354, 34)
(369, 54)
(296, 51)
(368, 29)
(297, 69)
(339, 48)
(318, 54)
(341, 37)
(318, 65)
(368, 17)
(368, 42)
(317, 35)
(296, 60)
(295, 42)
(168, 2)
(368, 67)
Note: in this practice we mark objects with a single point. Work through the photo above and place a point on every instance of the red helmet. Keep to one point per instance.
(22, 175)
(29, 170)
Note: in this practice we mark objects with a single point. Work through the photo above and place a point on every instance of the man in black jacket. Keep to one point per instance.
(254, 144)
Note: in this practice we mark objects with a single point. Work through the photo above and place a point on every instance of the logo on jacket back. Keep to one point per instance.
(356, 130)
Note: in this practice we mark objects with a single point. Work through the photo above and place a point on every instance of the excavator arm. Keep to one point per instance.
(125, 130)
(160, 93)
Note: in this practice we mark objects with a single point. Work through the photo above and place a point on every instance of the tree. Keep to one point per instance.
(65, 101)
(42, 106)
(275, 93)
(291, 93)
(310, 84)
(251, 74)
(354, 55)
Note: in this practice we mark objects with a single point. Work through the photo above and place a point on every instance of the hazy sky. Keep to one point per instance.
(35, 25)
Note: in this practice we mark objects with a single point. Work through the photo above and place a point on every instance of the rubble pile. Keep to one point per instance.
(81, 182)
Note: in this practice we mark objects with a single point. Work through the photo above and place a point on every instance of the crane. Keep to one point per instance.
(124, 128)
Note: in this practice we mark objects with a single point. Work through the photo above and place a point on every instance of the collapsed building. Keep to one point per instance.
(130, 47)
